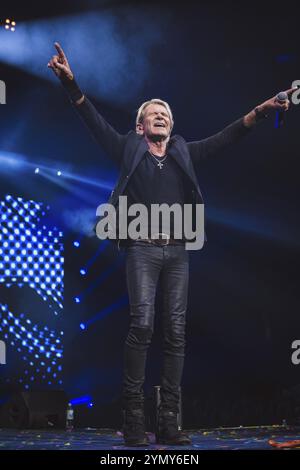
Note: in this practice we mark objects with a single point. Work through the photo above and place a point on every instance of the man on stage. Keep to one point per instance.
(155, 168)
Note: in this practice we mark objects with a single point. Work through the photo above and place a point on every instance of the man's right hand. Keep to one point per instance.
(60, 65)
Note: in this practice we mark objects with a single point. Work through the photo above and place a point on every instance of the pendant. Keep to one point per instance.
(160, 165)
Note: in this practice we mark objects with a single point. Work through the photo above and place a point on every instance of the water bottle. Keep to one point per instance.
(69, 418)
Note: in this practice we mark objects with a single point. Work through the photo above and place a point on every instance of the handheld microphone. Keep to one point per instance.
(281, 98)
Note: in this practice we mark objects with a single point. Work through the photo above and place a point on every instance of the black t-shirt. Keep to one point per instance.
(151, 185)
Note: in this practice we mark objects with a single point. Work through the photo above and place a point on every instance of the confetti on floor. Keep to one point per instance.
(242, 438)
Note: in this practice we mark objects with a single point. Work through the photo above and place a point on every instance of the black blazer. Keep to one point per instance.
(128, 150)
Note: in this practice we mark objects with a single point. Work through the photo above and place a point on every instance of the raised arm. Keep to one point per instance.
(205, 148)
(112, 142)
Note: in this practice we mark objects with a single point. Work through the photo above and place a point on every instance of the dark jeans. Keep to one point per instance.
(144, 264)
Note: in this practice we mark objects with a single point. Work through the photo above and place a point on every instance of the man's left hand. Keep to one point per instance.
(273, 103)
(267, 106)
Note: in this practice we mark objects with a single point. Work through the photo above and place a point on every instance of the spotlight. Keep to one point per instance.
(10, 25)
(37, 170)
(77, 300)
(59, 173)
(76, 244)
(83, 272)
(82, 326)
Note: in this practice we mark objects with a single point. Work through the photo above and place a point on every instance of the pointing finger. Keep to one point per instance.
(291, 90)
(59, 50)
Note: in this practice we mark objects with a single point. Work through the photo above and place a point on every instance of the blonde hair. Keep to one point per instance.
(142, 109)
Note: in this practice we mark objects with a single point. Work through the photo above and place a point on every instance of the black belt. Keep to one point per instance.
(159, 241)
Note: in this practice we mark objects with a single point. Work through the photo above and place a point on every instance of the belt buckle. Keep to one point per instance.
(159, 240)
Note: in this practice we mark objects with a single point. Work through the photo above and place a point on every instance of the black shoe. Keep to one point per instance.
(168, 432)
(134, 428)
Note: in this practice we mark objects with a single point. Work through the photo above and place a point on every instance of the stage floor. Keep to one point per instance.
(242, 438)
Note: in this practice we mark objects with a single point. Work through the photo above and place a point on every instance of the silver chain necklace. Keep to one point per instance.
(159, 161)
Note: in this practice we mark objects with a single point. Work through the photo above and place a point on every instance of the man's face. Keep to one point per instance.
(156, 123)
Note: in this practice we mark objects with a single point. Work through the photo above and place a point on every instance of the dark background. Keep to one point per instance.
(213, 62)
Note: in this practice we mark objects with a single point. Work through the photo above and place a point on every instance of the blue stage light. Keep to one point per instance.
(82, 326)
(83, 272)
(92, 28)
(86, 399)
(77, 300)
(12, 265)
